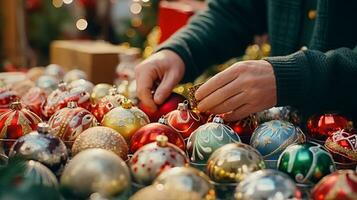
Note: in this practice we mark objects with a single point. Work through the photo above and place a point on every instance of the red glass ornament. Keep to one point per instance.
(169, 105)
(339, 185)
(319, 127)
(245, 127)
(33, 100)
(50, 106)
(183, 120)
(149, 132)
(67, 123)
(6, 98)
(78, 95)
(16, 122)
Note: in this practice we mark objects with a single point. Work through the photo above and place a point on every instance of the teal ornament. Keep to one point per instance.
(306, 163)
(273, 137)
(209, 137)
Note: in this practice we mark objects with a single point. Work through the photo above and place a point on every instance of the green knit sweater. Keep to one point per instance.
(322, 78)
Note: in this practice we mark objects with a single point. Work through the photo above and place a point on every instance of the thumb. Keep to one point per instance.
(165, 88)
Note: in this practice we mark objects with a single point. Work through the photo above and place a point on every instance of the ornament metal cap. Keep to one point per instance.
(16, 105)
(218, 119)
(163, 120)
(43, 128)
(72, 104)
(161, 140)
(183, 105)
(62, 86)
(113, 91)
(126, 103)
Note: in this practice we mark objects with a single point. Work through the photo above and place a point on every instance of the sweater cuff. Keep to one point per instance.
(291, 74)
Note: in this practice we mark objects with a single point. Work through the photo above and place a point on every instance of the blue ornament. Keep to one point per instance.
(273, 137)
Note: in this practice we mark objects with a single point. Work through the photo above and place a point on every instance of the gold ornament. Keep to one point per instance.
(96, 171)
(159, 192)
(100, 91)
(101, 137)
(126, 119)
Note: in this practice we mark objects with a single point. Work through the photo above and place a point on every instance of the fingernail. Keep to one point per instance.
(158, 98)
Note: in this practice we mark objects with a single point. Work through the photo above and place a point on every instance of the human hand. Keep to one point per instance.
(243, 88)
(165, 67)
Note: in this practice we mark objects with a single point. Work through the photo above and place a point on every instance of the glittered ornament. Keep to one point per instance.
(157, 192)
(34, 73)
(208, 138)
(107, 103)
(184, 120)
(38, 174)
(273, 137)
(343, 147)
(152, 159)
(285, 113)
(69, 122)
(55, 71)
(233, 162)
(245, 127)
(267, 184)
(82, 83)
(339, 185)
(169, 105)
(100, 90)
(187, 179)
(33, 100)
(95, 171)
(126, 119)
(149, 132)
(50, 106)
(42, 147)
(191, 96)
(73, 75)
(48, 83)
(16, 122)
(101, 137)
(7, 96)
(320, 127)
(306, 163)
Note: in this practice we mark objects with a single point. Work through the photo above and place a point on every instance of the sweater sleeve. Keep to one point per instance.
(220, 32)
(313, 80)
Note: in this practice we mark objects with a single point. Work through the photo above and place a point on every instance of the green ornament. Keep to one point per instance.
(306, 163)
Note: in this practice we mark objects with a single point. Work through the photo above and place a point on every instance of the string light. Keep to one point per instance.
(81, 24)
(57, 3)
(135, 8)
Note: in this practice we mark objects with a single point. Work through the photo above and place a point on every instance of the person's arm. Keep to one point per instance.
(218, 33)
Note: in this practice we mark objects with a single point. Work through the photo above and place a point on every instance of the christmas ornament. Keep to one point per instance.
(339, 185)
(306, 163)
(82, 83)
(101, 137)
(50, 106)
(73, 75)
(22, 87)
(33, 100)
(271, 139)
(343, 147)
(107, 103)
(16, 122)
(169, 105)
(96, 171)
(245, 127)
(3, 160)
(34, 73)
(285, 113)
(149, 132)
(42, 147)
(126, 119)
(207, 138)
(187, 179)
(55, 71)
(267, 184)
(191, 96)
(78, 95)
(184, 120)
(99, 91)
(233, 162)
(37, 173)
(68, 123)
(319, 127)
(48, 83)
(7, 96)
(157, 192)
(152, 159)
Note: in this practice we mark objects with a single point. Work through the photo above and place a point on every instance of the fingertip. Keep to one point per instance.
(158, 98)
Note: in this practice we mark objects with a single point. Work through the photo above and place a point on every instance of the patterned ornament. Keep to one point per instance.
(7, 96)
(273, 137)
(157, 192)
(107, 103)
(169, 105)
(183, 120)
(245, 127)
(233, 162)
(68, 123)
(125, 119)
(42, 147)
(339, 185)
(14, 123)
(82, 83)
(149, 132)
(320, 127)
(187, 179)
(103, 138)
(38, 174)
(73, 75)
(99, 91)
(33, 100)
(55, 71)
(50, 106)
(152, 159)
(343, 147)
(285, 113)
(48, 83)
(209, 137)
(306, 163)
(267, 184)
(96, 171)
(78, 95)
